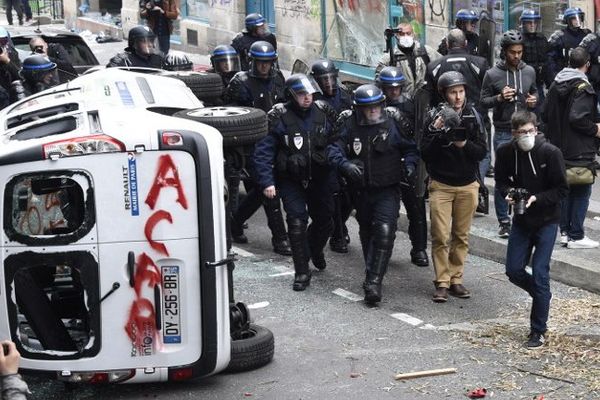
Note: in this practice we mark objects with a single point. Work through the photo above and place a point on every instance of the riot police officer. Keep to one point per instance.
(225, 61)
(591, 43)
(262, 86)
(139, 51)
(562, 41)
(326, 75)
(466, 21)
(373, 152)
(299, 132)
(38, 73)
(452, 146)
(535, 47)
(391, 81)
(256, 30)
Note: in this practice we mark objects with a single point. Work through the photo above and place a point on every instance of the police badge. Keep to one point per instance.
(357, 146)
(298, 141)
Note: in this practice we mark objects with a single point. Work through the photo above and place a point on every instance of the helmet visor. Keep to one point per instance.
(303, 86)
(575, 21)
(531, 26)
(227, 63)
(144, 46)
(370, 114)
(328, 83)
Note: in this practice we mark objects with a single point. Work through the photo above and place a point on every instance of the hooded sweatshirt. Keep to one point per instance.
(570, 115)
(495, 79)
(541, 171)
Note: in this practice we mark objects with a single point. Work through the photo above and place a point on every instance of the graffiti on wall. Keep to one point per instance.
(220, 3)
(362, 5)
(297, 9)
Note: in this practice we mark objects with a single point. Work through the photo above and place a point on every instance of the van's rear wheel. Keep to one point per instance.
(206, 86)
(239, 126)
(252, 350)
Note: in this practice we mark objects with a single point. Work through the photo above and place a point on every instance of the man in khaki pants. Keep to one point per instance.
(452, 146)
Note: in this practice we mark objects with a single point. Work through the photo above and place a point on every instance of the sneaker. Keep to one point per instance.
(585, 243)
(535, 340)
(504, 230)
(564, 238)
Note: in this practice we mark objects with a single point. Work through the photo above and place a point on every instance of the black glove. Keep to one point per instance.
(353, 172)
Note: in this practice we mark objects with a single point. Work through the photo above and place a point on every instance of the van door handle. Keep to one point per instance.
(131, 268)
(230, 258)
(157, 308)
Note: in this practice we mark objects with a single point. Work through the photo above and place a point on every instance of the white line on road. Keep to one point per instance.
(261, 304)
(282, 274)
(428, 327)
(409, 319)
(347, 295)
(241, 252)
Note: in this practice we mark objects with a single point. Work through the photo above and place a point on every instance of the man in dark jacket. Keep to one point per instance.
(139, 51)
(530, 173)
(472, 67)
(466, 21)
(262, 86)
(561, 42)
(299, 132)
(452, 147)
(571, 119)
(256, 30)
(58, 55)
(9, 71)
(509, 86)
(160, 15)
(372, 151)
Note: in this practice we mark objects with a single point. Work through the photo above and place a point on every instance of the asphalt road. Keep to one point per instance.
(330, 345)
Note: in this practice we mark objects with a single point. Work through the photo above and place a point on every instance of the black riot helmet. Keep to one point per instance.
(450, 79)
(530, 20)
(140, 41)
(298, 85)
(177, 61)
(262, 52)
(574, 17)
(39, 73)
(225, 59)
(369, 105)
(325, 74)
(390, 77)
(510, 38)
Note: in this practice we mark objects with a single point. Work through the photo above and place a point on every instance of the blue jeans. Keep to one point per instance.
(501, 206)
(520, 244)
(573, 210)
(164, 43)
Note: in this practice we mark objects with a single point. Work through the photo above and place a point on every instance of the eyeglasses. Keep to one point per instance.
(526, 132)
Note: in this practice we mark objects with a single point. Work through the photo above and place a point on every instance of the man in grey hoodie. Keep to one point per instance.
(507, 87)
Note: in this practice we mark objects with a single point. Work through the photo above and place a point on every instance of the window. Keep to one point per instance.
(48, 208)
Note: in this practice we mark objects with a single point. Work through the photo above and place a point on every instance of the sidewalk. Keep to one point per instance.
(580, 268)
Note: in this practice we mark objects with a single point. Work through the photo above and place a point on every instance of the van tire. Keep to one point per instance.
(206, 86)
(253, 351)
(239, 126)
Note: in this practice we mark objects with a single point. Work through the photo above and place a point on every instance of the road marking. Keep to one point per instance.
(241, 252)
(409, 319)
(261, 304)
(282, 274)
(347, 295)
(428, 327)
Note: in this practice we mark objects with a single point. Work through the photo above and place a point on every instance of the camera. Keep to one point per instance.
(520, 197)
(154, 3)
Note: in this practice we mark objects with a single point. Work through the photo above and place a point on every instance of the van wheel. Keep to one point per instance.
(239, 126)
(253, 350)
(206, 86)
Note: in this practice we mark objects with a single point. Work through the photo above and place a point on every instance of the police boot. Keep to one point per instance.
(300, 253)
(417, 226)
(279, 240)
(366, 243)
(383, 243)
(318, 233)
(237, 231)
(338, 242)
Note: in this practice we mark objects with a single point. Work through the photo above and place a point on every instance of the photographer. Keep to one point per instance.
(160, 15)
(454, 136)
(530, 174)
(58, 55)
(12, 386)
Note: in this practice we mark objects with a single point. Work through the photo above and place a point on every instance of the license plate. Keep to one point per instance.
(170, 300)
